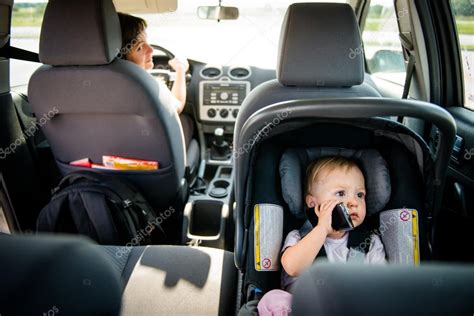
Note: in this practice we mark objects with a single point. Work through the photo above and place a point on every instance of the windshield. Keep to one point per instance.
(252, 39)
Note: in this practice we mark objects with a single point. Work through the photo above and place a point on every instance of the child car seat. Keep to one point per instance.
(304, 127)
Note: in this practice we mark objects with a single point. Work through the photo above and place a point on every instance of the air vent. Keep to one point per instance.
(211, 72)
(239, 73)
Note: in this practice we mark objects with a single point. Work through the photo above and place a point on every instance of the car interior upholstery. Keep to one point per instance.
(41, 272)
(305, 68)
(333, 291)
(136, 121)
(237, 189)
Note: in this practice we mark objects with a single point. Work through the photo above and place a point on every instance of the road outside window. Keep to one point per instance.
(383, 50)
(27, 17)
(463, 11)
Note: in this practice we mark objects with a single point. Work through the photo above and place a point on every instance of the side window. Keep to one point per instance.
(463, 11)
(383, 50)
(25, 32)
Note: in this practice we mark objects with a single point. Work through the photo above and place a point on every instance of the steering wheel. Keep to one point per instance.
(164, 50)
(170, 55)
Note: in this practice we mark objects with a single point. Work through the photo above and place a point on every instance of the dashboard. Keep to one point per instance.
(214, 93)
(221, 90)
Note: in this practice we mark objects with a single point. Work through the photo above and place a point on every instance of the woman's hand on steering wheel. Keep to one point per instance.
(176, 63)
(179, 64)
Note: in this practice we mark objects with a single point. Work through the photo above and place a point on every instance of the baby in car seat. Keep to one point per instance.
(329, 181)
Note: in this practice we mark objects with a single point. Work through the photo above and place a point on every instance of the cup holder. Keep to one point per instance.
(219, 189)
(206, 218)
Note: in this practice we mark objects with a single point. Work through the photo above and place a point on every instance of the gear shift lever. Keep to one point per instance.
(220, 148)
(219, 137)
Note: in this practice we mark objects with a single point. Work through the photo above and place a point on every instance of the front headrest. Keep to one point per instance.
(293, 166)
(320, 45)
(80, 32)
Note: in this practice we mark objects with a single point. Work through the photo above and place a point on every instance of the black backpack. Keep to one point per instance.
(103, 207)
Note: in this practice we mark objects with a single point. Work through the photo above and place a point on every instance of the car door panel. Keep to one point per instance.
(456, 241)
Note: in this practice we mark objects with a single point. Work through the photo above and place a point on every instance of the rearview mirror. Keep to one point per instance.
(218, 13)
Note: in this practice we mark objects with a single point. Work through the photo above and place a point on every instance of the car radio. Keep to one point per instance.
(220, 100)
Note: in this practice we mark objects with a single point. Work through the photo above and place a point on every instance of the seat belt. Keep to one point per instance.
(18, 53)
(409, 76)
(408, 47)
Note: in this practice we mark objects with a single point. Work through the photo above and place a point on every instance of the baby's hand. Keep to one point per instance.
(325, 215)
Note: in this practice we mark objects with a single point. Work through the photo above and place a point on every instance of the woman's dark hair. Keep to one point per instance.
(131, 27)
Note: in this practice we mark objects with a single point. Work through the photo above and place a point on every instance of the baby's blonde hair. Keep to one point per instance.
(316, 167)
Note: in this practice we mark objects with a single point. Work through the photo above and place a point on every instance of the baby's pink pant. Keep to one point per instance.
(275, 303)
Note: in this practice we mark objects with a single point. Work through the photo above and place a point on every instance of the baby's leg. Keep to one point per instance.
(275, 303)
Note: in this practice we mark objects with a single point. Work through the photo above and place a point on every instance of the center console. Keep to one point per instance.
(220, 100)
(208, 219)
(219, 104)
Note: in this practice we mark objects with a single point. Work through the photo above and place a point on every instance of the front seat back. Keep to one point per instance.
(90, 103)
(320, 56)
(44, 275)
(355, 289)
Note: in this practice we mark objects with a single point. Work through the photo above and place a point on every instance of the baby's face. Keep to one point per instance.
(345, 186)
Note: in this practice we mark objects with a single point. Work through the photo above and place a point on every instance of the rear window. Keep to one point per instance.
(463, 11)
(383, 50)
(27, 17)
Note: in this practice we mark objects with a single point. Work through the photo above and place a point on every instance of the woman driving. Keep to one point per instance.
(136, 49)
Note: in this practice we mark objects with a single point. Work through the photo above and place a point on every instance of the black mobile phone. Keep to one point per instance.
(341, 221)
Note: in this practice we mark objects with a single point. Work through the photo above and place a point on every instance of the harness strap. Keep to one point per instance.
(357, 238)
